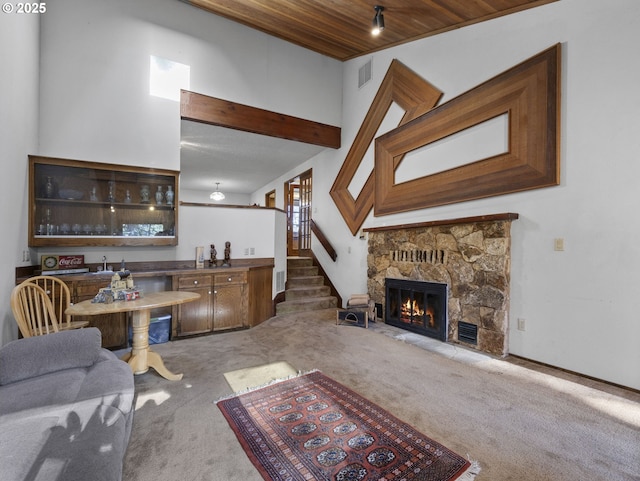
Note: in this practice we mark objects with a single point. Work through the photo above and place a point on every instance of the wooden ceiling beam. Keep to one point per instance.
(224, 113)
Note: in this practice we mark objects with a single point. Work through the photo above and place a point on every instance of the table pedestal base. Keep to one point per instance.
(141, 357)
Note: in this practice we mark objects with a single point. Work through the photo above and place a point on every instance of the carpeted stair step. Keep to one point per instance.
(303, 305)
(302, 271)
(306, 292)
(299, 261)
(293, 282)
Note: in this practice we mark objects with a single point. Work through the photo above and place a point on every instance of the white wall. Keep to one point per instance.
(252, 233)
(19, 36)
(580, 305)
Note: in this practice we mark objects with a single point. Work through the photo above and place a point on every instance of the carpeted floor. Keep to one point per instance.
(518, 423)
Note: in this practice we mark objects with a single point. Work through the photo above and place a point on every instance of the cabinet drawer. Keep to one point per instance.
(86, 290)
(189, 282)
(230, 278)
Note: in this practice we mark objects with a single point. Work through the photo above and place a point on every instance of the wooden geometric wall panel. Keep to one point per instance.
(529, 94)
(412, 94)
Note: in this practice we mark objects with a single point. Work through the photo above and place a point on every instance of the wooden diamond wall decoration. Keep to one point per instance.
(529, 94)
(412, 94)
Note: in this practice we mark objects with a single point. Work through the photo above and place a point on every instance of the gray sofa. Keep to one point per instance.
(66, 408)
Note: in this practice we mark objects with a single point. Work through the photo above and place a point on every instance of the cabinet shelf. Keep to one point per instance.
(80, 203)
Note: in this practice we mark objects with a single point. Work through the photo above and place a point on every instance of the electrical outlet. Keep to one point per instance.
(521, 324)
(246, 251)
(252, 251)
(558, 244)
(26, 257)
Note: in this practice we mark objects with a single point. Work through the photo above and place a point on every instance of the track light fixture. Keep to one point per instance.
(217, 195)
(378, 21)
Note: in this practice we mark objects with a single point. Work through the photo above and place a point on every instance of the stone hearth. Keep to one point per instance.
(471, 255)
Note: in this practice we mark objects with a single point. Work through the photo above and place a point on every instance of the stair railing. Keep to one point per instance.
(323, 240)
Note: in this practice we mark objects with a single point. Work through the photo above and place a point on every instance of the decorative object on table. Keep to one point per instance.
(127, 197)
(200, 257)
(227, 255)
(159, 195)
(144, 194)
(312, 427)
(213, 261)
(122, 288)
(93, 196)
(169, 195)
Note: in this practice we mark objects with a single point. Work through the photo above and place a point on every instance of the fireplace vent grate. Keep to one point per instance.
(467, 332)
(435, 256)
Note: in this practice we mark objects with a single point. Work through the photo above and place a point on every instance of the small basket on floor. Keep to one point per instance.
(354, 317)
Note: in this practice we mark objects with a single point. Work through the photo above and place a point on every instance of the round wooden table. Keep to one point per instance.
(141, 357)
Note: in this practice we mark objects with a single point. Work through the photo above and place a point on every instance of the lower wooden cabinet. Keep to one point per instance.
(228, 300)
(195, 317)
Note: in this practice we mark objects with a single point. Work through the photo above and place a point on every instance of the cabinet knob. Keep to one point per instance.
(195, 282)
(215, 292)
(229, 279)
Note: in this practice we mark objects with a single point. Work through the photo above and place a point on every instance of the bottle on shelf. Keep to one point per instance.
(49, 188)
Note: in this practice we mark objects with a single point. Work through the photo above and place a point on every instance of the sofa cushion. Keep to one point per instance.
(35, 356)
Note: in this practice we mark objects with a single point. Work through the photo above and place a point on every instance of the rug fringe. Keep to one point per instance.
(270, 383)
(471, 472)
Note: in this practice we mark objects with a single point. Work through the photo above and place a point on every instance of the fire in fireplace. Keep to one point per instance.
(417, 306)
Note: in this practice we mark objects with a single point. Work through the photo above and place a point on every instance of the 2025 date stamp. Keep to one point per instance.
(24, 8)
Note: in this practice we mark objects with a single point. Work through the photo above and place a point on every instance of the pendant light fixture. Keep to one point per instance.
(378, 21)
(217, 195)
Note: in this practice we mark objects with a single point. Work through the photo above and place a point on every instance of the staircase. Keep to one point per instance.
(305, 290)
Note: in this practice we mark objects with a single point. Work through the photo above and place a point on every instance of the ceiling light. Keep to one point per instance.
(378, 21)
(217, 195)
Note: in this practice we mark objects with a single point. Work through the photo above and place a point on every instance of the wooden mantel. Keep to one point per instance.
(433, 223)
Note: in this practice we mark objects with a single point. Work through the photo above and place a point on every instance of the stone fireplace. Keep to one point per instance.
(470, 256)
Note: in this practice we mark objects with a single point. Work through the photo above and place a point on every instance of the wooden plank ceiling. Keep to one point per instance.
(342, 28)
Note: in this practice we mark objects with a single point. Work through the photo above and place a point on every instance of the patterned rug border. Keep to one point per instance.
(469, 474)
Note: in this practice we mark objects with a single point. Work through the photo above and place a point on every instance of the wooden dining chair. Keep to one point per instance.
(60, 297)
(33, 310)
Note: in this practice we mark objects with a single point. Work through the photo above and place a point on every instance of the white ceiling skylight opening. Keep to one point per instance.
(167, 77)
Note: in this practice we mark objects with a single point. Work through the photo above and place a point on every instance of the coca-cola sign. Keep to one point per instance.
(53, 263)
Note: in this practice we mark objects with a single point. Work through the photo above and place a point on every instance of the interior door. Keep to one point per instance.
(293, 217)
(298, 208)
(304, 216)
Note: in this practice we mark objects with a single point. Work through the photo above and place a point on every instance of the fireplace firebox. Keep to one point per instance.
(417, 306)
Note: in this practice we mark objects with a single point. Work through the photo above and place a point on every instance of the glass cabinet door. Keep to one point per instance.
(78, 203)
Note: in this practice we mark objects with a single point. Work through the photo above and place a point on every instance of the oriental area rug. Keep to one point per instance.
(311, 427)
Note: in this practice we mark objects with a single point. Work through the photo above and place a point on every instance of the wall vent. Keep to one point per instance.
(364, 74)
(467, 332)
(279, 281)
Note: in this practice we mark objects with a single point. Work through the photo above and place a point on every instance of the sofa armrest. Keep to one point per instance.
(35, 356)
